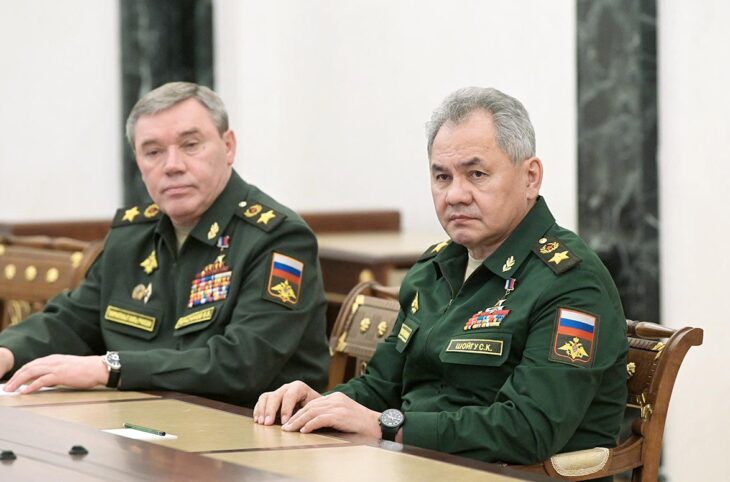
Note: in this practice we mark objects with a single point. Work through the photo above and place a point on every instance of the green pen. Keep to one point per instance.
(144, 429)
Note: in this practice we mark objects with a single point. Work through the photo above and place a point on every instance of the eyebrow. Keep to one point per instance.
(181, 135)
(436, 167)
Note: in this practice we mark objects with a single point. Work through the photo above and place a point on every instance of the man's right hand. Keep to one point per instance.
(7, 360)
(287, 399)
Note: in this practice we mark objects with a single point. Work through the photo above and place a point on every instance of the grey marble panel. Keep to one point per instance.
(162, 41)
(617, 144)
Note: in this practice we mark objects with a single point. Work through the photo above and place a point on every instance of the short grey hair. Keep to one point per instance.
(171, 94)
(514, 131)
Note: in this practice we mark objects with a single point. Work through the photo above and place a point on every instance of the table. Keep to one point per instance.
(349, 258)
(215, 441)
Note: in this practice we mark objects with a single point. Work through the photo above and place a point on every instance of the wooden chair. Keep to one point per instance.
(652, 369)
(33, 269)
(366, 317)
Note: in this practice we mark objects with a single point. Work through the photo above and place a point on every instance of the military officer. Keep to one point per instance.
(214, 289)
(511, 340)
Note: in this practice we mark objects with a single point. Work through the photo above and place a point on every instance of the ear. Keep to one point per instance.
(533, 170)
(229, 138)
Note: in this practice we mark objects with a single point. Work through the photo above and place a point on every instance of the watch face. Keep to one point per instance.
(391, 417)
(112, 360)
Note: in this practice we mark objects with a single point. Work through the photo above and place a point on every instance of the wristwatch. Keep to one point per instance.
(111, 360)
(390, 421)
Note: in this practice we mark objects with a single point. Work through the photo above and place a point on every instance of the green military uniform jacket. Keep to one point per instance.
(502, 370)
(238, 311)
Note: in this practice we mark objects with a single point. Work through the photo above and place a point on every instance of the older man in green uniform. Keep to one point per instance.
(511, 340)
(214, 289)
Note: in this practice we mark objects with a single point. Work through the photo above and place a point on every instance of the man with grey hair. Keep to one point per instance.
(213, 289)
(511, 341)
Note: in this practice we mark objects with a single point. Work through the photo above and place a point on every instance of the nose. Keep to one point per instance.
(174, 162)
(458, 192)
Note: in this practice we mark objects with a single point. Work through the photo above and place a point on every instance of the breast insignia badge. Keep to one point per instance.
(142, 292)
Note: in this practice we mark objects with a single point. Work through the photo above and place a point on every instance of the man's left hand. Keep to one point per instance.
(69, 370)
(337, 411)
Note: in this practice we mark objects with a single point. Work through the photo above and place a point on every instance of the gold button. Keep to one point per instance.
(30, 273)
(542, 240)
(10, 271)
(76, 259)
(52, 275)
(242, 204)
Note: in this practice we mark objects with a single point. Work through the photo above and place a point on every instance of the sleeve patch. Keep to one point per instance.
(285, 280)
(574, 338)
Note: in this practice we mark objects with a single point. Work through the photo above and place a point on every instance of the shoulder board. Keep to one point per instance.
(555, 254)
(433, 250)
(259, 215)
(136, 215)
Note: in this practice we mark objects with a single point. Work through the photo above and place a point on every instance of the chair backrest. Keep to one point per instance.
(652, 369)
(366, 317)
(36, 268)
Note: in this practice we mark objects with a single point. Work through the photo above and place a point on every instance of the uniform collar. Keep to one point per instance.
(215, 220)
(450, 262)
(506, 260)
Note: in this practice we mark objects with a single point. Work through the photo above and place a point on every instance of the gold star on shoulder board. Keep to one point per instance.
(266, 217)
(130, 214)
(558, 257)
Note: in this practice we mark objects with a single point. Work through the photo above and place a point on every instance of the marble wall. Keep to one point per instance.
(617, 139)
(162, 41)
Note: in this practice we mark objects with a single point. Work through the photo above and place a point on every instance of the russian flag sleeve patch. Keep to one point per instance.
(285, 280)
(574, 337)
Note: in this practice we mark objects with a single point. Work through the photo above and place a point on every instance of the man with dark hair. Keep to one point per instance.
(511, 340)
(214, 289)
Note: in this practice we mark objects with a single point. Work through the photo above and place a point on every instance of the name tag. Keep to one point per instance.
(197, 317)
(478, 346)
(130, 318)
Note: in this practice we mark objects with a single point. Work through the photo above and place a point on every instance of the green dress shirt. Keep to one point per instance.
(524, 359)
(239, 310)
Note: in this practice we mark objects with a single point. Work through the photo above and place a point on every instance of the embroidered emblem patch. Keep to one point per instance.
(285, 279)
(574, 337)
(414, 304)
(476, 346)
(211, 284)
(151, 211)
(491, 317)
(150, 263)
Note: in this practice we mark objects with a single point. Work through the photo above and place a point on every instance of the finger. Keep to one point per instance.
(320, 421)
(47, 380)
(273, 402)
(19, 378)
(258, 409)
(301, 417)
(293, 397)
